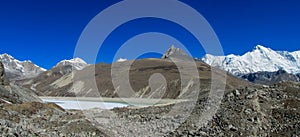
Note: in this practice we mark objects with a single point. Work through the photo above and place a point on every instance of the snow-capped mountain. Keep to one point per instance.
(17, 70)
(76, 63)
(260, 59)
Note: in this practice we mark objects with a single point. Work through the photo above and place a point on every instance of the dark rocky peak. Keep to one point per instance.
(3, 79)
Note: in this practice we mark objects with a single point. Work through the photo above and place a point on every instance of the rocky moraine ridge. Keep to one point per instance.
(249, 111)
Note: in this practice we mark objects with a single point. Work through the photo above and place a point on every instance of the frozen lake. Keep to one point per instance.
(83, 105)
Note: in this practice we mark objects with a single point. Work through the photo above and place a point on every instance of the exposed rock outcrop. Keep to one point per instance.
(3, 80)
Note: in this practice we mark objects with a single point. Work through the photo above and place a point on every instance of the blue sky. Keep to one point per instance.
(46, 31)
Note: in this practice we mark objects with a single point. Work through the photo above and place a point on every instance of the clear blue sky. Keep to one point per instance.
(46, 31)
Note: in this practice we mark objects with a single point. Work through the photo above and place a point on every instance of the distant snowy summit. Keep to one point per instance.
(17, 70)
(260, 59)
(76, 63)
(121, 60)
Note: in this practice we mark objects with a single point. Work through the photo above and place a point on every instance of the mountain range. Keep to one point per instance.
(261, 65)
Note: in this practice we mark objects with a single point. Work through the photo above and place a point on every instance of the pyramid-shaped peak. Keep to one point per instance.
(174, 52)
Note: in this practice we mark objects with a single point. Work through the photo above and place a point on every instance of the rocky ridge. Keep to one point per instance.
(270, 78)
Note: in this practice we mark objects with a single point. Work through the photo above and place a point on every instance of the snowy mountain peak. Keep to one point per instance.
(17, 70)
(259, 59)
(76, 63)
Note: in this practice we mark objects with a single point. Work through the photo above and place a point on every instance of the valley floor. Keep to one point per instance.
(248, 111)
